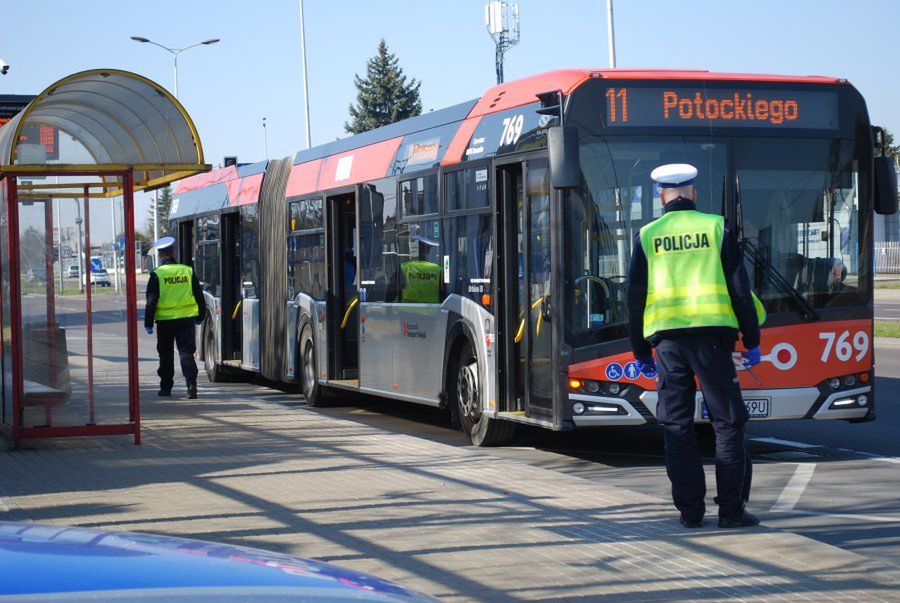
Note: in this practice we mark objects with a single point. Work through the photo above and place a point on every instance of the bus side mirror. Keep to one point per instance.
(565, 165)
(885, 186)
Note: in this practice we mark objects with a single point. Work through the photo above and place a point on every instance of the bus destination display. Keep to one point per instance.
(728, 108)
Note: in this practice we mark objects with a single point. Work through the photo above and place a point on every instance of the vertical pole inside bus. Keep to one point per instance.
(231, 287)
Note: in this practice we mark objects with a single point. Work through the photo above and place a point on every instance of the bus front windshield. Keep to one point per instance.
(794, 203)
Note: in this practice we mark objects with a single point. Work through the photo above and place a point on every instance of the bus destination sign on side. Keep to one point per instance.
(726, 108)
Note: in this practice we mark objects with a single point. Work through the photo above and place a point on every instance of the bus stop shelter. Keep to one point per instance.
(67, 248)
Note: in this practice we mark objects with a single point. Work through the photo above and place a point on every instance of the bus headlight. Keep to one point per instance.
(578, 408)
(849, 380)
(862, 400)
(834, 383)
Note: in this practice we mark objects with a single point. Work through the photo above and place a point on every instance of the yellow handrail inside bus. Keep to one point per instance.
(521, 331)
(236, 308)
(352, 305)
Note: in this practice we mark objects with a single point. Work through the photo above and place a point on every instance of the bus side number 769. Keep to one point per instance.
(843, 350)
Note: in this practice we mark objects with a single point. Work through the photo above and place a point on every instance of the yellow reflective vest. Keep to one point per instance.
(423, 282)
(176, 292)
(686, 284)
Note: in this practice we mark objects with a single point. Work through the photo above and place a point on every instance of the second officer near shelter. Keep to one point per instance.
(175, 302)
(688, 297)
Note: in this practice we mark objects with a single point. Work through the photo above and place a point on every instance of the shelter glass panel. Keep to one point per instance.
(74, 320)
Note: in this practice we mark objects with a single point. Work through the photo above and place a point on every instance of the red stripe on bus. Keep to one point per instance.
(207, 179)
(460, 141)
(344, 169)
(523, 91)
(304, 178)
(250, 187)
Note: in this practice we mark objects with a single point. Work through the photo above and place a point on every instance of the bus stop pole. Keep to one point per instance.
(88, 321)
(134, 392)
(15, 306)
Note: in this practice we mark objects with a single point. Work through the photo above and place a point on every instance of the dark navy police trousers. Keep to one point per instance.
(678, 360)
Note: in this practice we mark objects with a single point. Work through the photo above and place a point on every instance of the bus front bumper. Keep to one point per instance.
(778, 404)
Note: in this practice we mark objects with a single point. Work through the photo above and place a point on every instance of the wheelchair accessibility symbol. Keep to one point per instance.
(614, 371)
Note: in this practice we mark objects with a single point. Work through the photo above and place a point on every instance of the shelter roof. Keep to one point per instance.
(124, 121)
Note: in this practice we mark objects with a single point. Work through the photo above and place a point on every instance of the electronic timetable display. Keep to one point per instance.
(720, 107)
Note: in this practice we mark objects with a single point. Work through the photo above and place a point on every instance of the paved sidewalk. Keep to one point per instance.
(251, 466)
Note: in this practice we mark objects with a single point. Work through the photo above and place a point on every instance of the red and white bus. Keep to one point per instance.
(522, 206)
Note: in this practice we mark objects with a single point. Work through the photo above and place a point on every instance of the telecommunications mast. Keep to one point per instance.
(502, 20)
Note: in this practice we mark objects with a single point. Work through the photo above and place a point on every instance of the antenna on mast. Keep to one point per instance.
(502, 20)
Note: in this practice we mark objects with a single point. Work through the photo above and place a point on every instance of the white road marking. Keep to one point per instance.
(794, 488)
(873, 457)
(787, 443)
(878, 518)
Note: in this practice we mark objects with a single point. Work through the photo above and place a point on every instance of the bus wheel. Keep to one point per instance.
(312, 391)
(463, 387)
(213, 370)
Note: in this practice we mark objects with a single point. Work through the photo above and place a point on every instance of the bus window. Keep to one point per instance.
(378, 260)
(419, 279)
(800, 210)
(207, 259)
(469, 245)
(603, 215)
(419, 196)
(468, 189)
(306, 249)
(250, 250)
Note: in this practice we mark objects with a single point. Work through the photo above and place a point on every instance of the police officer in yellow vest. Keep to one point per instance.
(175, 302)
(689, 296)
(420, 278)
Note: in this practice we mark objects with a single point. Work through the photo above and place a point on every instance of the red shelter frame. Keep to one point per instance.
(140, 138)
(17, 431)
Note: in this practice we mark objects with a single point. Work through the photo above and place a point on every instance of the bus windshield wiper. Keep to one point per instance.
(804, 308)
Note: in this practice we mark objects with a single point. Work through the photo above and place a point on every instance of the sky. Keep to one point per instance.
(255, 71)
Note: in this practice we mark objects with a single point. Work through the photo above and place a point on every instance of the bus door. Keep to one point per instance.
(343, 302)
(524, 203)
(231, 319)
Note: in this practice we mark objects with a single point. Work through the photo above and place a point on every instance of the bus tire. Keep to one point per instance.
(213, 371)
(309, 369)
(463, 389)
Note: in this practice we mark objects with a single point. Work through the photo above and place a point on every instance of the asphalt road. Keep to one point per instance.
(887, 304)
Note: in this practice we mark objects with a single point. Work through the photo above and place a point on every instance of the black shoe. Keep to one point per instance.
(689, 522)
(164, 393)
(192, 391)
(744, 520)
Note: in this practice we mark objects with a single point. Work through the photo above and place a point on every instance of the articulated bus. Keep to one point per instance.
(475, 258)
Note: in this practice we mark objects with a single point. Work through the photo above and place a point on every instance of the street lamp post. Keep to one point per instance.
(175, 52)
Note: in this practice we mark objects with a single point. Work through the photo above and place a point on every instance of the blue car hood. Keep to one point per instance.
(42, 559)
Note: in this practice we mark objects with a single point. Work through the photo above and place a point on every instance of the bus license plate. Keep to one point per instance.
(757, 408)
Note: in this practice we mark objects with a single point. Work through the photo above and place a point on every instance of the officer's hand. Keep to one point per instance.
(149, 330)
(645, 366)
(752, 357)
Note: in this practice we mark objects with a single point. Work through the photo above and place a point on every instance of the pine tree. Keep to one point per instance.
(164, 203)
(385, 96)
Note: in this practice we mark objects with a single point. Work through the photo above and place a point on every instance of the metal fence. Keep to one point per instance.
(887, 257)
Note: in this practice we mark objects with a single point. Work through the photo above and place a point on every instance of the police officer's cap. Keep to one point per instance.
(673, 175)
(164, 243)
(425, 240)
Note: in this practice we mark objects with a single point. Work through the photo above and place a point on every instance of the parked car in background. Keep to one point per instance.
(99, 277)
(73, 271)
(59, 563)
